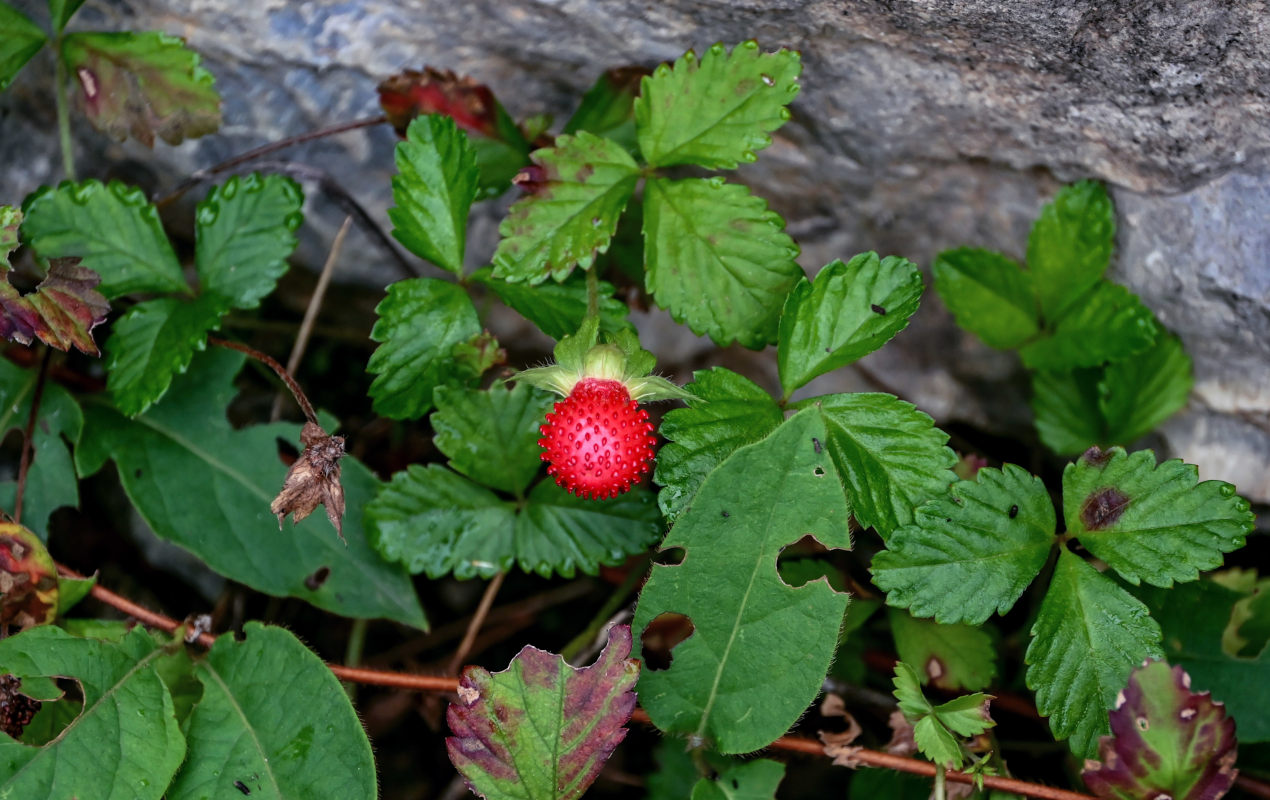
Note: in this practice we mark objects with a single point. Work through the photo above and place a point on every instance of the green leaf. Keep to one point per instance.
(1166, 740)
(1149, 522)
(715, 112)
(1066, 407)
(760, 648)
(142, 85)
(1248, 630)
(717, 259)
(1088, 636)
(1193, 617)
(50, 480)
(436, 521)
(871, 784)
(274, 719)
(126, 707)
(990, 295)
(185, 448)
(245, 233)
(152, 344)
(556, 309)
(421, 320)
(112, 228)
(608, 107)
(949, 656)
(890, 455)
(1107, 323)
(849, 311)
(1137, 394)
(542, 730)
(1069, 247)
(21, 40)
(433, 190)
(10, 221)
(938, 730)
(972, 551)
(491, 436)
(61, 11)
(71, 590)
(571, 211)
(753, 780)
(736, 412)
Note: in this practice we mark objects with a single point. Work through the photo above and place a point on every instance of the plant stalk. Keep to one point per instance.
(941, 789)
(610, 607)
(281, 371)
(592, 292)
(63, 111)
(478, 619)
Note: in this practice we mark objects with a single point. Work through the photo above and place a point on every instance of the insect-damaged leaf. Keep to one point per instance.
(542, 730)
(760, 648)
(28, 579)
(1165, 741)
(274, 719)
(142, 85)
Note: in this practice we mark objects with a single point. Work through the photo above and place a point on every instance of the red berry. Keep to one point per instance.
(597, 441)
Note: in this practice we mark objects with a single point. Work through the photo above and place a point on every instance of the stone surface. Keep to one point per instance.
(921, 126)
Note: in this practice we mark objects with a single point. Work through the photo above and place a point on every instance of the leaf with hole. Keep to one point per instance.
(760, 648)
(972, 551)
(717, 259)
(1149, 522)
(542, 730)
(244, 232)
(849, 311)
(990, 295)
(433, 190)
(716, 111)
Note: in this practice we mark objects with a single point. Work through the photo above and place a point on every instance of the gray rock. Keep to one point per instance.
(921, 126)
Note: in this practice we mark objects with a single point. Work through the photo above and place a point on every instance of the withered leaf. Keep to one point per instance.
(28, 578)
(314, 479)
(412, 93)
(839, 746)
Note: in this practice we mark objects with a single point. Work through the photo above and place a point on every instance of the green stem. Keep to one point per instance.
(353, 652)
(63, 112)
(592, 292)
(606, 611)
(941, 792)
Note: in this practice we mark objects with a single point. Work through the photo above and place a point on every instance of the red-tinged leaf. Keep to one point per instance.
(542, 730)
(1166, 741)
(28, 578)
(142, 85)
(411, 93)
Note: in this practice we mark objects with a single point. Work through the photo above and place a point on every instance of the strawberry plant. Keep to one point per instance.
(710, 551)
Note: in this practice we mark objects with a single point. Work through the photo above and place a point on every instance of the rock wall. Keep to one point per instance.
(921, 126)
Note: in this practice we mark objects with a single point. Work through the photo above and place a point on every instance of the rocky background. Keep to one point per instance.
(921, 126)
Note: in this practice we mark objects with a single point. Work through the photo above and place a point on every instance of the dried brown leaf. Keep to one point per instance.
(838, 746)
(314, 479)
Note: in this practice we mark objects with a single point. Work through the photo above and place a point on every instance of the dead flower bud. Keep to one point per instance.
(314, 479)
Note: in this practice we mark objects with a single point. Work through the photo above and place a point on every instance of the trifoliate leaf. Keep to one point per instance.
(113, 228)
(1087, 638)
(420, 323)
(736, 412)
(1066, 406)
(575, 198)
(1166, 740)
(717, 259)
(890, 455)
(1193, 617)
(849, 311)
(990, 295)
(716, 111)
(491, 436)
(22, 39)
(433, 189)
(245, 233)
(760, 648)
(542, 730)
(938, 730)
(28, 577)
(1106, 323)
(556, 309)
(1069, 247)
(272, 718)
(126, 705)
(1149, 522)
(438, 522)
(753, 780)
(50, 480)
(142, 85)
(608, 107)
(949, 656)
(1137, 394)
(972, 551)
(61, 12)
(153, 343)
(184, 447)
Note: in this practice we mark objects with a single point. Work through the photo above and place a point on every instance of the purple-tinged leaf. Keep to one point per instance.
(542, 730)
(142, 85)
(1166, 741)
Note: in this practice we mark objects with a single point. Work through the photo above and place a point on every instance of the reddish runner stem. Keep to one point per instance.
(281, 371)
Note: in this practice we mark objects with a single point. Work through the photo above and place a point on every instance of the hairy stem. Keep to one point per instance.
(28, 446)
(592, 292)
(280, 370)
(63, 111)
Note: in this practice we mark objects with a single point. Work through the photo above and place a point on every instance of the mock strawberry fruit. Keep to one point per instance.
(597, 441)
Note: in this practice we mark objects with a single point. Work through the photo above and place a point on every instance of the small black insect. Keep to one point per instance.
(815, 445)
(725, 514)
(1014, 511)
(877, 309)
(242, 787)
